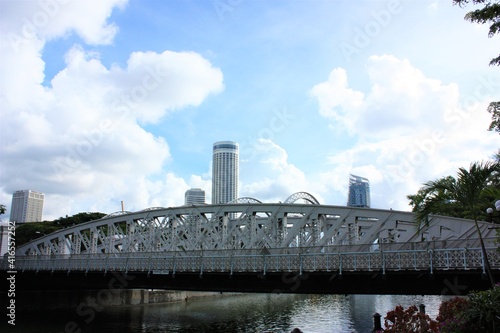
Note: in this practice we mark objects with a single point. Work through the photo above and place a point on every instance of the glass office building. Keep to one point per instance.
(359, 192)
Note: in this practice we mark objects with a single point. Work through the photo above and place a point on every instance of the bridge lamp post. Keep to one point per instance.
(483, 249)
(490, 210)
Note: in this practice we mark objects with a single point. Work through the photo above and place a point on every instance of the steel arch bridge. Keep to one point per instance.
(250, 246)
(252, 225)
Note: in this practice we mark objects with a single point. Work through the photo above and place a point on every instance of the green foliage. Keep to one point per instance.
(78, 218)
(489, 14)
(3, 209)
(494, 109)
(435, 198)
(479, 313)
(29, 231)
(484, 310)
(409, 321)
(465, 196)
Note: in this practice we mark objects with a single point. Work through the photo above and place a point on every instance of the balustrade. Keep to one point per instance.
(274, 261)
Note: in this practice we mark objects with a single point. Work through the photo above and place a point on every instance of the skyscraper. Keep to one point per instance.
(194, 196)
(225, 172)
(359, 192)
(27, 206)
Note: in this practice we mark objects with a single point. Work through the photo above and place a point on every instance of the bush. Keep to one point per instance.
(451, 316)
(479, 313)
(409, 321)
(483, 314)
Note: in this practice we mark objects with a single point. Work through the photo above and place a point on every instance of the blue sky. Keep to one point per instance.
(122, 100)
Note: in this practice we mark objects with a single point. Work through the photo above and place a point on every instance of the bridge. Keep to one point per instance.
(297, 246)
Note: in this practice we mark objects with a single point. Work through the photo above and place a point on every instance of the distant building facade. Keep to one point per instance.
(27, 206)
(4, 239)
(225, 172)
(359, 192)
(194, 196)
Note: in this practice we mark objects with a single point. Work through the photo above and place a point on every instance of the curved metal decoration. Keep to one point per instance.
(302, 195)
(245, 200)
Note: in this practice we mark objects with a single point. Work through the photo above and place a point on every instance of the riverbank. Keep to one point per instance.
(64, 299)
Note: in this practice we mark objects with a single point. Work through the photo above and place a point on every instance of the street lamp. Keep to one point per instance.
(490, 210)
(486, 261)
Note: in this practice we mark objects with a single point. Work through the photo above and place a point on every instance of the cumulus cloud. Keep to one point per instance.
(409, 128)
(269, 177)
(82, 137)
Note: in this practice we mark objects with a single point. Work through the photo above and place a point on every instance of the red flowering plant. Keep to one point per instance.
(452, 317)
(409, 321)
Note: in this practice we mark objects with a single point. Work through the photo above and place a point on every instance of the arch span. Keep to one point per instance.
(302, 195)
(245, 200)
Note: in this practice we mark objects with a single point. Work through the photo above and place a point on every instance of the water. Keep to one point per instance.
(234, 313)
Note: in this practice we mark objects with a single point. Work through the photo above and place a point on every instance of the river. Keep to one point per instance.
(231, 314)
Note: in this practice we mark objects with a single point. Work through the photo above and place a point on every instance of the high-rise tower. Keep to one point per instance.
(194, 196)
(27, 206)
(359, 192)
(225, 172)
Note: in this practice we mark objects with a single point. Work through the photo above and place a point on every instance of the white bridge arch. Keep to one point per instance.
(251, 225)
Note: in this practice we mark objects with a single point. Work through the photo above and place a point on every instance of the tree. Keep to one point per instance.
(435, 198)
(409, 320)
(29, 231)
(494, 109)
(78, 218)
(3, 209)
(470, 193)
(489, 14)
(466, 196)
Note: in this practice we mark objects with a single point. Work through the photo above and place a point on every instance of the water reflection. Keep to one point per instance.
(235, 313)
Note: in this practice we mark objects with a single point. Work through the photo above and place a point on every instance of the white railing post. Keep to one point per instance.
(430, 260)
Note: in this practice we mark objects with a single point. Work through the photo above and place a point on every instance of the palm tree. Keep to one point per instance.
(465, 196)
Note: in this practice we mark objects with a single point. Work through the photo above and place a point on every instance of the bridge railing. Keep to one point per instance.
(264, 261)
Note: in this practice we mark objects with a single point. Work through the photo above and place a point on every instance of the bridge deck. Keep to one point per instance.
(287, 260)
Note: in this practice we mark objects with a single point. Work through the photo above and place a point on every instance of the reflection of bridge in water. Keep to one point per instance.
(264, 247)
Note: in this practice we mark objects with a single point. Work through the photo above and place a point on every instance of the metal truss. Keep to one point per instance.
(255, 227)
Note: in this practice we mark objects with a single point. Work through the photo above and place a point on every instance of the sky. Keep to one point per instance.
(110, 101)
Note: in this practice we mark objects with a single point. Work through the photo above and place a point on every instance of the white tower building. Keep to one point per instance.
(225, 172)
(194, 196)
(27, 206)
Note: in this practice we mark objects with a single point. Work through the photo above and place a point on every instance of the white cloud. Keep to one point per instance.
(81, 138)
(410, 128)
(26, 21)
(336, 99)
(269, 177)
